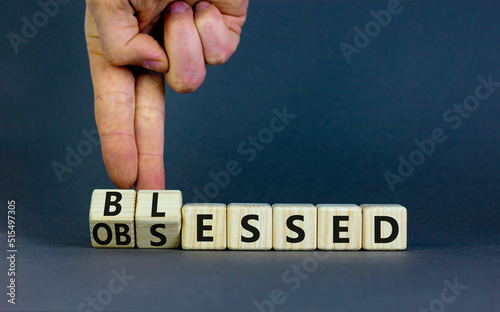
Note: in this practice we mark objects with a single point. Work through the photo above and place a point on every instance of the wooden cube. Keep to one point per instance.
(339, 227)
(384, 227)
(111, 218)
(249, 227)
(204, 226)
(294, 226)
(158, 219)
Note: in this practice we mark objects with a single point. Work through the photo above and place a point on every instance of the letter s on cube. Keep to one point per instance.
(249, 226)
(294, 226)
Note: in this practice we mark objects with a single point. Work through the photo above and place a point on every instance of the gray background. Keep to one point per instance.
(353, 121)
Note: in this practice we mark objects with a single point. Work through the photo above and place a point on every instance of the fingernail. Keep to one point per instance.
(177, 7)
(153, 65)
(201, 6)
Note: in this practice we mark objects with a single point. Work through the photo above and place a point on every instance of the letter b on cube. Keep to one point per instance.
(111, 218)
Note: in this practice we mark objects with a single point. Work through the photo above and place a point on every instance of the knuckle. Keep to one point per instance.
(114, 57)
(210, 20)
(120, 103)
(206, 24)
(186, 83)
(117, 99)
(150, 113)
(176, 31)
(94, 45)
(218, 57)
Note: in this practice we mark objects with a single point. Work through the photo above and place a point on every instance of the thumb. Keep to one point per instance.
(122, 43)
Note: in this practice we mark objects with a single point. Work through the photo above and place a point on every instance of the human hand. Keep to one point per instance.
(130, 103)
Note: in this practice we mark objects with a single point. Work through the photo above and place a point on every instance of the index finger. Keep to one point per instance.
(114, 106)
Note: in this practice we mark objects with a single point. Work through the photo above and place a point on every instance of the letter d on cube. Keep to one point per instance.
(384, 227)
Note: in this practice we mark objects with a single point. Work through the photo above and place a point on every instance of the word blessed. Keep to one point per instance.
(157, 219)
